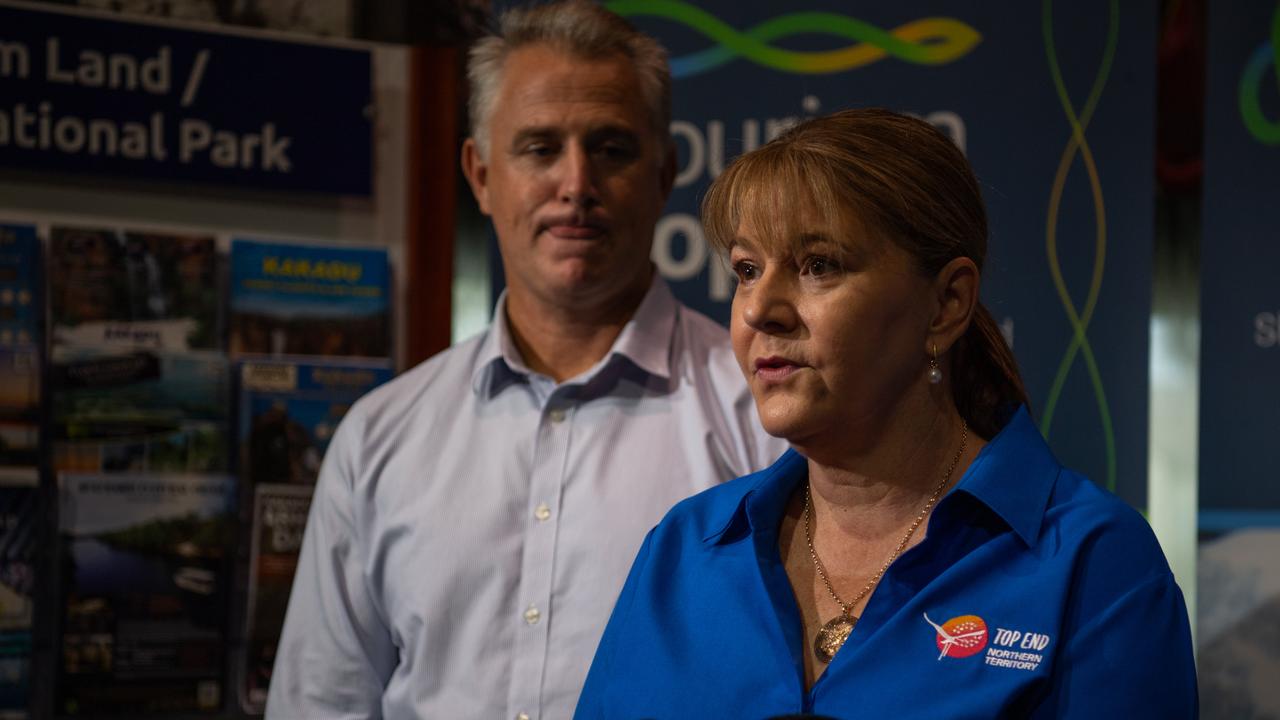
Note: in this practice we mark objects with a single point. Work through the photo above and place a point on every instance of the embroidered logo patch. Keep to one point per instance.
(960, 636)
(967, 635)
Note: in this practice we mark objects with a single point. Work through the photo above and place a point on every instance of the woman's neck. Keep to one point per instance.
(870, 489)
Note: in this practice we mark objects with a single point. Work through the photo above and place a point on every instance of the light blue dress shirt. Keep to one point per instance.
(474, 521)
(1034, 595)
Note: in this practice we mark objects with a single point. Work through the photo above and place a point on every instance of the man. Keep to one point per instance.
(475, 518)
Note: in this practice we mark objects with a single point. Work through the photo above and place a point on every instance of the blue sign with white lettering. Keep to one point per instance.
(88, 94)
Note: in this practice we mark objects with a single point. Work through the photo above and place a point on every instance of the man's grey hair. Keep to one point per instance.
(578, 27)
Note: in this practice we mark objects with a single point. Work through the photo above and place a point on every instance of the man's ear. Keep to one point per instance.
(476, 170)
(956, 289)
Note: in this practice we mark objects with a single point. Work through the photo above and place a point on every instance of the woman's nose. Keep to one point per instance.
(767, 305)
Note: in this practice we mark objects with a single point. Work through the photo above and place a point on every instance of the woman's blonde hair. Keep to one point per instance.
(895, 176)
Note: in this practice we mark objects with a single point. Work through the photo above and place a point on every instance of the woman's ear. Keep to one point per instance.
(956, 289)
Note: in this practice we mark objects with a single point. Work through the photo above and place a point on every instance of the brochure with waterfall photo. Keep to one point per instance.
(144, 593)
(133, 289)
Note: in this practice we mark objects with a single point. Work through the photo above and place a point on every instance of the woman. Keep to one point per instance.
(919, 553)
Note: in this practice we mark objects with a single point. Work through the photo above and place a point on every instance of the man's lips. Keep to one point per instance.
(775, 368)
(575, 231)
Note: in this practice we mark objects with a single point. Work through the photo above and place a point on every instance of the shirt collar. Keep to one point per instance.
(1013, 476)
(645, 341)
(763, 500)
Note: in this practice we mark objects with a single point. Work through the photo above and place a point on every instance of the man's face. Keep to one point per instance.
(575, 178)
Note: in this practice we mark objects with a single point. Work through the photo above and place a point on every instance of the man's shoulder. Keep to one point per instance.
(440, 379)
(699, 328)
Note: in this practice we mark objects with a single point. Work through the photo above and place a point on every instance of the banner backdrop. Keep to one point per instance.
(1052, 103)
(1239, 389)
(1239, 578)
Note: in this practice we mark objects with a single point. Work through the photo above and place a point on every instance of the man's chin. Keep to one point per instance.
(586, 289)
(594, 274)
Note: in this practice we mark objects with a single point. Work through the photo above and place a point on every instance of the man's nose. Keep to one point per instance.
(768, 305)
(577, 177)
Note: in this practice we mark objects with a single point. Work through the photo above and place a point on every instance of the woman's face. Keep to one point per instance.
(829, 326)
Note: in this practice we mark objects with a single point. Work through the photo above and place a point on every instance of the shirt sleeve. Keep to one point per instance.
(591, 704)
(336, 653)
(1132, 659)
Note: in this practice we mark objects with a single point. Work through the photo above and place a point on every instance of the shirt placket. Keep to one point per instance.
(550, 460)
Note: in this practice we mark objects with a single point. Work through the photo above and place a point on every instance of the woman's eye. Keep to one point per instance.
(818, 266)
(745, 271)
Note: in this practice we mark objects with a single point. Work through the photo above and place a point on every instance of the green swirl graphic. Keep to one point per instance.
(1251, 82)
(1078, 143)
(929, 41)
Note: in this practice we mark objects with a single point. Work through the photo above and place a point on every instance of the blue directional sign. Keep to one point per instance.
(88, 94)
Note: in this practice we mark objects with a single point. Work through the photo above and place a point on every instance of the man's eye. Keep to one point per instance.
(615, 151)
(538, 150)
(745, 271)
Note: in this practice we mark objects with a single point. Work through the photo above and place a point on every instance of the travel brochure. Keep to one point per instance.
(20, 530)
(139, 411)
(134, 289)
(19, 413)
(21, 339)
(279, 518)
(302, 300)
(144, 562)
(289, 411)
(20, 292)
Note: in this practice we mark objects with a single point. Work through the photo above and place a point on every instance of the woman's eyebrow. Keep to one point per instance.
(808, 238)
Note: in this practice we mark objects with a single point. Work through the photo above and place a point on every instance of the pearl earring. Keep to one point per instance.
(935, 374)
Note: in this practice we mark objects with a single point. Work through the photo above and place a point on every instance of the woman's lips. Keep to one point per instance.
(775, 369)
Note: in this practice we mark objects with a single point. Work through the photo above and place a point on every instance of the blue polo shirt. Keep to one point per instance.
(1035, 594)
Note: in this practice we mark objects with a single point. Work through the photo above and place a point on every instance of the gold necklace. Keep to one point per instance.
(832, 635)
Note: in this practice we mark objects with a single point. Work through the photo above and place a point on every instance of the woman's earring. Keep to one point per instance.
(935, 375)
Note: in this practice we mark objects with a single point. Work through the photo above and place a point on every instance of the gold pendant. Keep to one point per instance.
(832, 636)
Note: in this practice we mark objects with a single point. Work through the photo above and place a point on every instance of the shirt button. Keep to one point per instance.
(522, 716)
(532, 616)
(542, 512)
(555, 415)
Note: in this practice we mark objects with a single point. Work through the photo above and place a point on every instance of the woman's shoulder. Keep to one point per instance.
(1055, 508)
(1078, 500)
(1111, 537)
